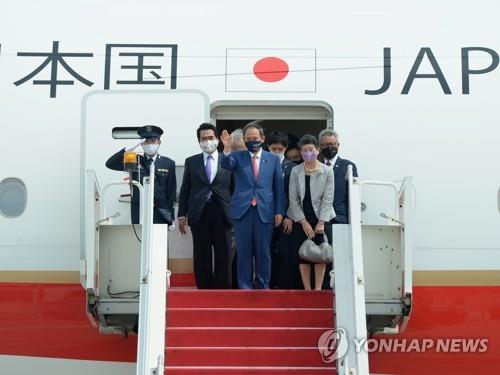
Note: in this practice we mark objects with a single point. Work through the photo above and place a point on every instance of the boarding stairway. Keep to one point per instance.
(250, 332)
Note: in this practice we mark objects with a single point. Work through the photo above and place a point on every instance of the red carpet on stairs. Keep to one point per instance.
(246, 331)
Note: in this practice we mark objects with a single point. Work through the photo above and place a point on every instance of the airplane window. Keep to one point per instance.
(125, 132)
(13, 197)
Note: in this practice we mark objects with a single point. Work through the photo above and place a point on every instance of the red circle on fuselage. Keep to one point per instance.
(271, 69)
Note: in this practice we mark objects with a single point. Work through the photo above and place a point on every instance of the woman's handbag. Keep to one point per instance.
(322, 253)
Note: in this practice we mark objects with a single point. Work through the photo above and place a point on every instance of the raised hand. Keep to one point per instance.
(133, 147)
(225, 138)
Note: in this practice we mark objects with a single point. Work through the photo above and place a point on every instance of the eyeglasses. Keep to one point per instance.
(332, 144)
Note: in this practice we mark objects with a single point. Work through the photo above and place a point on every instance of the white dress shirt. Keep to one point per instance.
(332, 161)
(153, 157)
(146, 159)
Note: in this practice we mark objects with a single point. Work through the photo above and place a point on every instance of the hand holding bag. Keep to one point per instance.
(313, 253)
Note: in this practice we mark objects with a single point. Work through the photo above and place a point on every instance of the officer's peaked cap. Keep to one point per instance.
(150, 131)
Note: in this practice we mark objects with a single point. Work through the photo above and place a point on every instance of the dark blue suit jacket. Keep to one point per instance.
(287, 166)
(268, 189)
(165, 186)
(341, 196)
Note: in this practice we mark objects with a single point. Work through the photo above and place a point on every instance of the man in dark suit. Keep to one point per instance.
(282, 270)
(329, 145)
(257, 205)
(165, 182)
(204, 205)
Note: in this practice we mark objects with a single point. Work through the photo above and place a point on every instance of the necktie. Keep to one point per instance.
(328, 164)
(208, 171)
(208, 168)
(255, 167)
(148, 163)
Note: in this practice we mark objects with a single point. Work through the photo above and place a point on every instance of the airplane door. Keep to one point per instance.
(109, 122)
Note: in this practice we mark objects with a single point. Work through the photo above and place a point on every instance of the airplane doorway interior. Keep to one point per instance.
(293, 118)
(294, 128)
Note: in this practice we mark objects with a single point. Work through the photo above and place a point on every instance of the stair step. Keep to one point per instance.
(245, 356)
(234, 370)
(182, 280)
(247, 331)
(191, 298)
(246, 317)
(243, 336)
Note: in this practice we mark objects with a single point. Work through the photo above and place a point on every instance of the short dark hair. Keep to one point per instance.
(309, 139)
(206, 126)
(278, 137)
(257, 124)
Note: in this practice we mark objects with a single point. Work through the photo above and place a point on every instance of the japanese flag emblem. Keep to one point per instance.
(271, 70)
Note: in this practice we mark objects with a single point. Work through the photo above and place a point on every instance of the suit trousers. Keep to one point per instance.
(275, 261)
(212, 249)
(253, 239)
(284, 271)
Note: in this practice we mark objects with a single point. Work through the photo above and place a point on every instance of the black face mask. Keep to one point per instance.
(329, 152)
(253, 146)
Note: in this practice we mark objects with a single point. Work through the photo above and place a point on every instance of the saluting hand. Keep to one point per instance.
(133, 147)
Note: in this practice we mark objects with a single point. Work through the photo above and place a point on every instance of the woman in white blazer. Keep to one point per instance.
(310, 207)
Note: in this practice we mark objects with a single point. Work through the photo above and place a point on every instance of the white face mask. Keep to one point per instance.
(150, 149)
(281, 155)
(209, 146)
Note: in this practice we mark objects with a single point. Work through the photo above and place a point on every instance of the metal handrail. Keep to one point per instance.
(350, 295)
(117, 183)
(152, 322)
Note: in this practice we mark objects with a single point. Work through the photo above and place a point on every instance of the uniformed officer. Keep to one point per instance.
(165, 182)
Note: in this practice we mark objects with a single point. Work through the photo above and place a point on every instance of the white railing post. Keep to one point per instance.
(406, 207)
(92, 215)
(350, 309)
(153, 284)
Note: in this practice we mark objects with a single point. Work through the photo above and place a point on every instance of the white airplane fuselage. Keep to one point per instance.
(411, 90)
